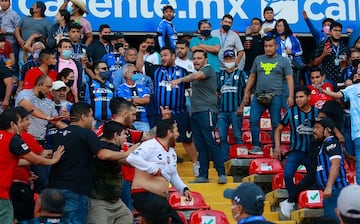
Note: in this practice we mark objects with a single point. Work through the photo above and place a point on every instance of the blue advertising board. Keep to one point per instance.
(145, 15)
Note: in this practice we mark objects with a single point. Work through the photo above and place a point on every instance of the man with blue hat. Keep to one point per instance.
(247, 203)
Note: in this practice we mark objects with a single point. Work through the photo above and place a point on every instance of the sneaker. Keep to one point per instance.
(256, 150)
(200, 180)
(222, 179)
(196, 169)
(286, 208)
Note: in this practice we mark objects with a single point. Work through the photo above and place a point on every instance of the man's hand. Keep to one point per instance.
(277, 152)
(165, 112)
(327, 192)
(58, 153)
(188, 196)
(290, 102)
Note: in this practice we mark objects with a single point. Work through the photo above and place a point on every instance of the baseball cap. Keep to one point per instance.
(58, 85)
(118, 35)
(249, 195)
(22, 112)
(229, 53)
(348, 202)
(167, 7)
(333, 110)
(326, 122)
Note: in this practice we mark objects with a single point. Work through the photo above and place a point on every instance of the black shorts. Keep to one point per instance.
(184, 125)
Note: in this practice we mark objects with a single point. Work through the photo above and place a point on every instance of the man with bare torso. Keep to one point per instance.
(155, 166)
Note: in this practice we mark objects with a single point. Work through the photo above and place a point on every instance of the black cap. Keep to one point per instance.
(118, 35)
(167, 7)
(326, 122)
(22, 112)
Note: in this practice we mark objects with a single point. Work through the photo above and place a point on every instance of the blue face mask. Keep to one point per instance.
(67, 53)
(36, 54)
(135, 77)
(105, 75)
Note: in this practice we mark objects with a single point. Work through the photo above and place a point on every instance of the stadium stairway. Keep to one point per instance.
(213, 192)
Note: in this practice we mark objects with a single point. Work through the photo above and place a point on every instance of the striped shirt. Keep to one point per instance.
(164, 94)
(330, 149)
(231, 88)
(99, 97)
(300, 126)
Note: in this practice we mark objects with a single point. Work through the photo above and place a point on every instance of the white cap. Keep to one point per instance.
(58, 85)
(348, 201)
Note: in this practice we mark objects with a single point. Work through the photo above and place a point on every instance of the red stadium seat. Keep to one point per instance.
(246, 137)
(265, 166)
(351, 177)
(266, 114)
(177, 201)
(231, 139)
(208, 216)
(278, 181)
(285, 137)
(182, 217)
(310, 199)
(245, 125)
(241, 151)
(265, 138)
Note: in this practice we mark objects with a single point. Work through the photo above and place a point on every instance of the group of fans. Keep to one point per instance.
(59, 86)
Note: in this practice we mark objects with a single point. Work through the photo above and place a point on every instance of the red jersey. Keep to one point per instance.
(32, 74)
(12, 147)
(22, 173)
(135, 136)
(318, 99)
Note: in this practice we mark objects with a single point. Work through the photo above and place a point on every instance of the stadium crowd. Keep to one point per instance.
(91, 123)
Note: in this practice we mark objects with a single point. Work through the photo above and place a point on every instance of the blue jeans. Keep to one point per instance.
(203, 128)
(357, 163)
(330, 204)
(76, 207)
(126, 194)
(295, 158)
(225, 119)
(256, 111)
(349, 143)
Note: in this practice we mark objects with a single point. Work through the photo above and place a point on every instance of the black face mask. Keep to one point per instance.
(356, 81)
(107, 38)
(69, 83)
(150, 49)
(31, 11)
(205, 33)
(118, 45)
(226, 27)
(51, 67)
(41, 95)
(355, 62)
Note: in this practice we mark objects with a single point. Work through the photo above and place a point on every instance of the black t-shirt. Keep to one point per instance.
(74, 171)
(18, 147)
(257, 48)
(4, 73)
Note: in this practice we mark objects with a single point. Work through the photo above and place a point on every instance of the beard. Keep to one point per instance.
(41, 95)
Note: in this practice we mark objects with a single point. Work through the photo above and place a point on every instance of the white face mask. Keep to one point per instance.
(229, 64)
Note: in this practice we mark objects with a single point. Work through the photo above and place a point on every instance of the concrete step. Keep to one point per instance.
(186, 180)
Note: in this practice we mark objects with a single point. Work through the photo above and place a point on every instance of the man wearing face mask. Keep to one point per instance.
(137, 94)
(228, 40)
(99, 47)
(208, 43)
(230, 88)
(319, 35)
(115, 59)
(48, 62)
(100, 92)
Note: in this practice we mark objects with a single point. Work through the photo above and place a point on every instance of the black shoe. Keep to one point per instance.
(179, 159)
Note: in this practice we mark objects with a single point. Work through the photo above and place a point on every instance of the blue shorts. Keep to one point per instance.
(184, 125)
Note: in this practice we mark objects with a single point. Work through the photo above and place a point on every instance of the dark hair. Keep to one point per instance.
(315, 69)
(149, 36)
(201, 51)
(64, 73)
(335, 24)
(268, 8)
(110, 128)
(103, 26)
(96, 64)
(163, 126)
(304, 89)
(64, 40)
(75, 25)
(52, 201)
(45, 54)
(8, 116)
(287, 30)
(167, 7)
(228, 16)
(258, 19)
(172, 51)
(348, 220)
(119, 104)
(79, 109)
(42, 6)
(331, 20)
(206, 21)
(183, 41)
(66, 15)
